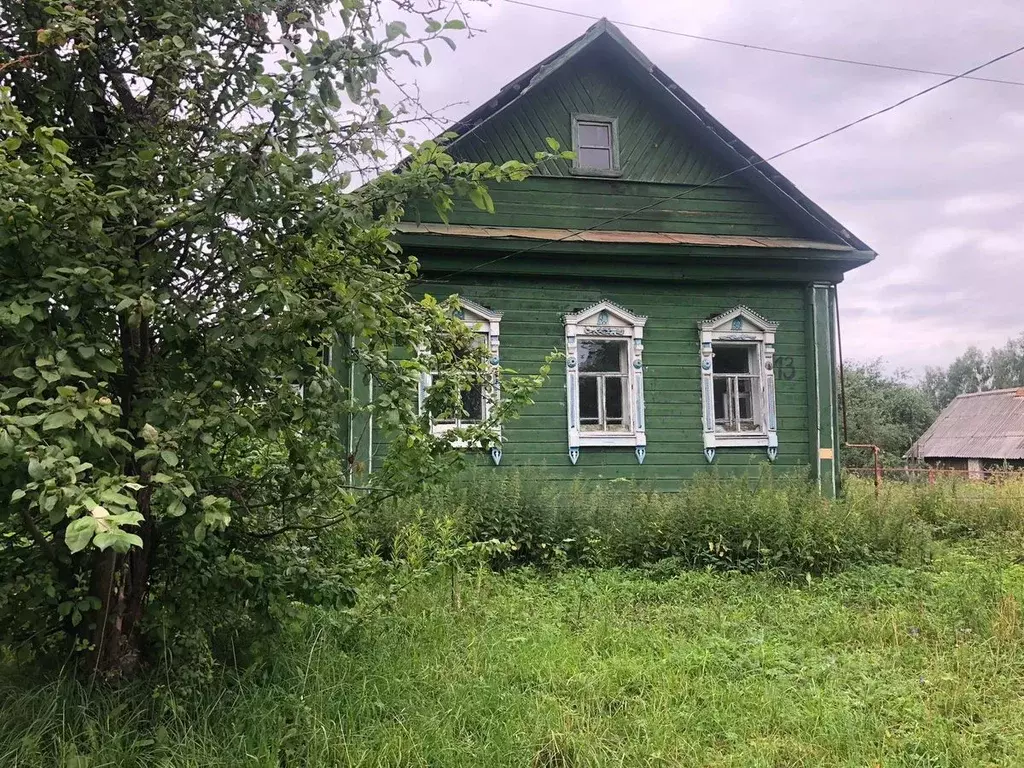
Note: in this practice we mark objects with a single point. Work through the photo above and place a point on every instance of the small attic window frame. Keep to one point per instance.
(613, 128)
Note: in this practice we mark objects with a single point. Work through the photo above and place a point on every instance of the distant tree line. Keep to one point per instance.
(892, 409)
(975, 371)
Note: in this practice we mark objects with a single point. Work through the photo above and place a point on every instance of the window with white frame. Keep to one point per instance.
(479, 396)
(474, 406)
(738, 382)
(596, 144)
(604, 379)
(604, 385)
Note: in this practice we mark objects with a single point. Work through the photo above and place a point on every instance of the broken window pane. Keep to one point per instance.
(613, 400)
(602, 356)
(473, 403)
(732, 359)
(589, 410)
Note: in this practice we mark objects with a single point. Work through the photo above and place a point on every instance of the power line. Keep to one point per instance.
(684, 193)
(764, 48)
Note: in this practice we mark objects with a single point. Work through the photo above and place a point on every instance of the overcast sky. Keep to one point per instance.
(935, 187)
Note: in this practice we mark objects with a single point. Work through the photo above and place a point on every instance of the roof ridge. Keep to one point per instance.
(990, 392)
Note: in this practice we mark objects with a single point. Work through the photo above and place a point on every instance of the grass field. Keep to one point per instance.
(877, 666)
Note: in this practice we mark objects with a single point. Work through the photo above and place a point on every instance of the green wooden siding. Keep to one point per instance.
(651, 146)
(589, 203)
(532, 327)
(658, 160)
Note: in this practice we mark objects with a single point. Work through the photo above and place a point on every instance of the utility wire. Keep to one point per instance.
(748, 165)
(764, 48)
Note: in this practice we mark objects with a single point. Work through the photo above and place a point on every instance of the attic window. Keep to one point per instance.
(596, 144)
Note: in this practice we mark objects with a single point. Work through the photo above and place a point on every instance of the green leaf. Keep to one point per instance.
(106, 365)
(17, 495)
(57, 420)
(170, 458)
(79, 533)
(25, 373)
(552, 143)
(476, 196)
(396, 29)
(121, 541)
(35, 469)
(455, 24)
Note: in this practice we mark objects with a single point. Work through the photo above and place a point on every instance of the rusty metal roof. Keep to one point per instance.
(984, 425)
(617, 236)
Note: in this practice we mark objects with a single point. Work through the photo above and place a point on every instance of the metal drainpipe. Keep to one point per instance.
(842, 389)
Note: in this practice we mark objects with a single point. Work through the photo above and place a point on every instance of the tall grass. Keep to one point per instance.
(780, 524)
(879, 665)
(952, 507)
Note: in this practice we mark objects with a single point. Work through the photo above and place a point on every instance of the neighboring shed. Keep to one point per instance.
(975, 432)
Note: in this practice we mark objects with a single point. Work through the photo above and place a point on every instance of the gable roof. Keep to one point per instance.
(983, 425)
(688, 111)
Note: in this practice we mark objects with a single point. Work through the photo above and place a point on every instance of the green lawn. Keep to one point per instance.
(878, 666)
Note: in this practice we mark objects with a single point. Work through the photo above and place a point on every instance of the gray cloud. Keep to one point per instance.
(935, 186)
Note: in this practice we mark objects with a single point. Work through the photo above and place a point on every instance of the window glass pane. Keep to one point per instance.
(443, 418)
(746, 398)
(595, 135)
(594, 158)
(473, 403)
(602, 356)
(732, 359)
(588, 401)
(613, 400)
(721, 400)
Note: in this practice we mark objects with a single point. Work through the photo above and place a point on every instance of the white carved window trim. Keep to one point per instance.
(484, 321)
(740, 327)
(606, 321)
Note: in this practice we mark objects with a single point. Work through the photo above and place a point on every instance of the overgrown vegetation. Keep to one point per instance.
(880, 665)
(180, 246)
(889, 410)
(952, 507)
(779, 524)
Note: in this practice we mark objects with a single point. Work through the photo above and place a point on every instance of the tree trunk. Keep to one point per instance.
(121, 582)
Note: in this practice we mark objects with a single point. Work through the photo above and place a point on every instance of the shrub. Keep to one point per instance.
(769, 523)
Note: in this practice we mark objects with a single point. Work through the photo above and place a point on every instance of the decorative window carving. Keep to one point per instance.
(604, 379)
(595, 141)
(737, 354)
(479, 400)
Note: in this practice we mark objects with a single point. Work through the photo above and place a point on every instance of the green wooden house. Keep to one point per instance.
(690, 284)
